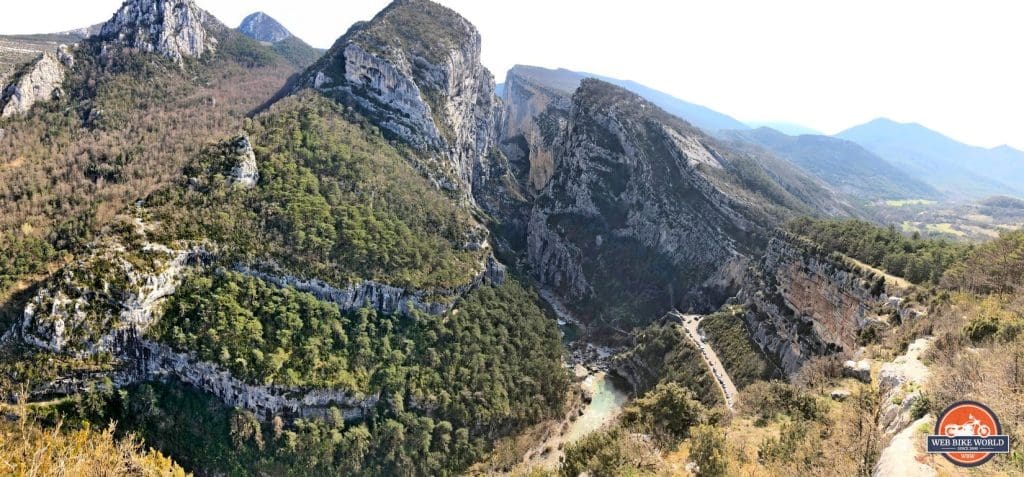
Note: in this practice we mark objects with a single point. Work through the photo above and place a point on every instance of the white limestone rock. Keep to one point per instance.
(173, 28)
(39, 82)
(246, 172)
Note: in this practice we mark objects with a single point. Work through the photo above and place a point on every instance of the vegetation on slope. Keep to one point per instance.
(449, 385)
(742, 359)
(27, 448)
(662, 354)
(993, 267)
(124, 127)
(335, 202)
(919, 261)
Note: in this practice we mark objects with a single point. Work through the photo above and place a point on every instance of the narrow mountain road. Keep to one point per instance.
(691, 323)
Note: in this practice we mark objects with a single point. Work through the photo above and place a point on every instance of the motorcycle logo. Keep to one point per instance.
(968, 434)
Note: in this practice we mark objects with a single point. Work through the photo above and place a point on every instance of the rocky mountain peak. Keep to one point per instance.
(39, 81)
(415, 71)
(173, 28)
(261, 27)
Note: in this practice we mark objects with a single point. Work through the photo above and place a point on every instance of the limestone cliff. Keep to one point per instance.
(245, 172)
(414, 70)
(111, 289)
(37, 82)
(176, 29)
(643, 212)
(535, 116)
(803, 304)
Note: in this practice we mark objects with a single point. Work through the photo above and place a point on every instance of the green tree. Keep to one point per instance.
(708, 451)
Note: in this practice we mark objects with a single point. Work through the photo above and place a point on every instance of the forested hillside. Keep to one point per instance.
(224, 252)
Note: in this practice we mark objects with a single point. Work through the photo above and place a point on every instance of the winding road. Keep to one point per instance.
(691, 323)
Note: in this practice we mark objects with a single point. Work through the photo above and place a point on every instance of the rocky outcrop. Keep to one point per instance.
(82, 311)
(39, 81)
(176, 29)
(383, 297)
(532, 125)
(859, 370)
(261, 27)
(245, 172)
(155, 361)
(141, 360)
(415, 72)
(900, 384)
(631, 219)
(802, 304)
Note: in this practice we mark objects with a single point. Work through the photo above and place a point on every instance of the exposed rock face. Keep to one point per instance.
(261, 27)
(805, 305)
(41, 81)
(859, 370)
(382, 297)
(900, 384)
(173, 28)
(245, 173)
(82, 311)
(156, 361)
(631, 206)
(415, 71)
(535, 118)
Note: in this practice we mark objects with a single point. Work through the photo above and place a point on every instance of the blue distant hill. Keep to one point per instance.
(709, 120)
(951, 166)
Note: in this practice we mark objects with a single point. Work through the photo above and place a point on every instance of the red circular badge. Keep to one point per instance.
(967, 419)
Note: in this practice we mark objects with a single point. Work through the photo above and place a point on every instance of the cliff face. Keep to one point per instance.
(535, 117)
(804, 305)
(415, 72)
(634, 219)
(176, 29)
(40, 81)
(112, 289)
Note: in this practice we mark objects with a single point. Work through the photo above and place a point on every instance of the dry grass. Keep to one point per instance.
(29, 450)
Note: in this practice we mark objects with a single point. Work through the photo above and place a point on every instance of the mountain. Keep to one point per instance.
(415, 72)
(955, 168)
(630, 210)
(132, 105)
(340, 229)
(705, 118)
(708, 120)
(17, 50)
(261, 27)
(844, 165)
(791, 129)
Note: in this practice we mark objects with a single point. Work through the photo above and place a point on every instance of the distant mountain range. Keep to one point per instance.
(263, 28)
(882, 159)
(843, 165)
(710, 121)
(792, 129)
(960, 170)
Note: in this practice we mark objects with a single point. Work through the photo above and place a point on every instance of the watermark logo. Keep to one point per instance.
(968, 434)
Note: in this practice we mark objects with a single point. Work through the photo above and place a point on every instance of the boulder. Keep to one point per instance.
(860, 370)
(839, 394)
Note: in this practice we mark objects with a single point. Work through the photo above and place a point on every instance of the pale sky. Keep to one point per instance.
(953, 66)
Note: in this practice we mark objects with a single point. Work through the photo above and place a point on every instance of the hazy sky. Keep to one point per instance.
(954, 66)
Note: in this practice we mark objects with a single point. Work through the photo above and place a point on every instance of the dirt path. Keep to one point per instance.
(902, 457)
(691, 323)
